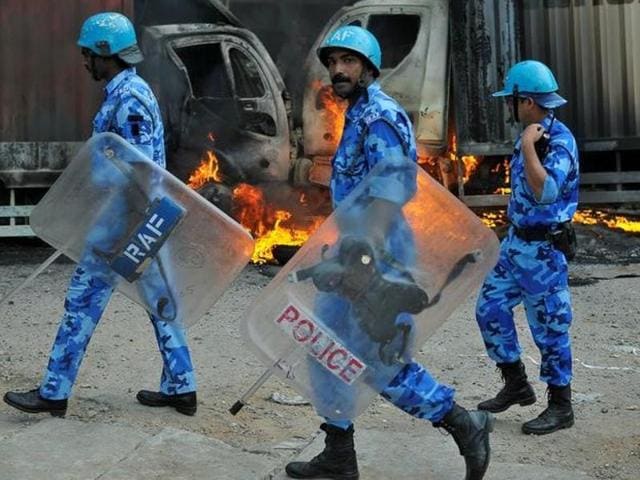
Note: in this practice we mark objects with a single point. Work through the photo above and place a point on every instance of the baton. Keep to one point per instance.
(286, 364)
(30, 278)
(252, 389)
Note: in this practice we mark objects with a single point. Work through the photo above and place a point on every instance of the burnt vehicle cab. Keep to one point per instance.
(413, 36)
(221, 93)
(441, 60)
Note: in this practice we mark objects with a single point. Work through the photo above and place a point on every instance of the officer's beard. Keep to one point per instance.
(352, 94)
(91, 68)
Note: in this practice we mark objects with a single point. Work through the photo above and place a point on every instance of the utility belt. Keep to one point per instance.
(562, 237)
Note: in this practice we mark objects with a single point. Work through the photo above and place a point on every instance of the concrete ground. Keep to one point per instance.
(108, 435)
(65, 449)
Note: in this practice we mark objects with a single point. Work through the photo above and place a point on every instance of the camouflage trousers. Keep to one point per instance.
(535, 274)
(86, 299)
(412, 389)
(415, 392)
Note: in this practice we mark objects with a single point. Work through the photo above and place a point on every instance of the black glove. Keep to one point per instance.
(376, 301)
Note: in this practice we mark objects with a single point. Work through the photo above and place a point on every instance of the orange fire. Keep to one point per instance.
(469, 162)
(496, 218)
(427, 160)
(269, 225)
(208, 171)
(333, 111)
(470, 165)
(596, 217)
(507, 172)
(493, 219)
(249, 206)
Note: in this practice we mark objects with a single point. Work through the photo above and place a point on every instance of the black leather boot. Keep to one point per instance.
(32, 402)
(557, 415)
(185, 403)
(470, 430)
(337, 460)
(516, 391)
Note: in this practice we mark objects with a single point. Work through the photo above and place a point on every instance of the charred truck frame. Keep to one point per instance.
(220, 90)
(443, 59)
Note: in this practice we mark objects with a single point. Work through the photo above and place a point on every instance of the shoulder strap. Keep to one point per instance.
(141, 99)
(374, 117)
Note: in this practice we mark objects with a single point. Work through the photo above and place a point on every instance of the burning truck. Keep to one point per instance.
(232, 132)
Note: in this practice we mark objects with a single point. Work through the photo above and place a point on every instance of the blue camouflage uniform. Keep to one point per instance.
(131, 111)
(534, 272)
(377, 129)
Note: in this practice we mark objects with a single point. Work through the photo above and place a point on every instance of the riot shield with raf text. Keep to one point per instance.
(382, 273)
(132, 224)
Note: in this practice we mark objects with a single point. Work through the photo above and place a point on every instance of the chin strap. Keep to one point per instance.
(514, 104)
(93, 68)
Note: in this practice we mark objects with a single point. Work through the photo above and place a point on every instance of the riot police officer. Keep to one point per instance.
(532, 268)
(130, 110)
(378, 130)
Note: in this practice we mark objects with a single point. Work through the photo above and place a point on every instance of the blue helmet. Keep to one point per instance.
(356, 39)
(533, 79)
(107, 34)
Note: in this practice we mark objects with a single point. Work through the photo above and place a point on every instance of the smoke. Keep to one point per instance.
(168, 12)
(288, 29)
(191, 123)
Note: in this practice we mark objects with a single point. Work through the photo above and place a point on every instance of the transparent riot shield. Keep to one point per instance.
(137, 227)
(383, 272)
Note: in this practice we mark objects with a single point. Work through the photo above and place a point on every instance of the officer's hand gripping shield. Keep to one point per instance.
(382, 273)
(134, 225)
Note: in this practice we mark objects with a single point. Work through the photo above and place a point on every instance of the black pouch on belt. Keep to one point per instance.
(564, 239)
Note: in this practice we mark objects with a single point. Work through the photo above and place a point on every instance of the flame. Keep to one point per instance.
(333, 111)
(493, 219)
(249, 206)
(208, 171)
(469, 162)
(428, 161)
(470, 165)
(587, 216)
(506, 165)
(597, 217)
(281, 235)
(269, 225)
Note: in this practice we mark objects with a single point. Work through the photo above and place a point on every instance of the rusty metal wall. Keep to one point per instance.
(485, 42)
(593, 47)
(45, 92)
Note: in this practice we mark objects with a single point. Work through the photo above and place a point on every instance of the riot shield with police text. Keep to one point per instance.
(132, 224)
(382, 273)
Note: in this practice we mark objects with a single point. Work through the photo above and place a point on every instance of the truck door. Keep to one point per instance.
(413, 36)
(233, 105)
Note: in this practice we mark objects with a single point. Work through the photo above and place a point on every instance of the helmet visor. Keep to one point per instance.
(547, 100)
(131, 55)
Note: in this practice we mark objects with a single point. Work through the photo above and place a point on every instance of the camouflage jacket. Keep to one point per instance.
(131, 110)
(559, 199)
